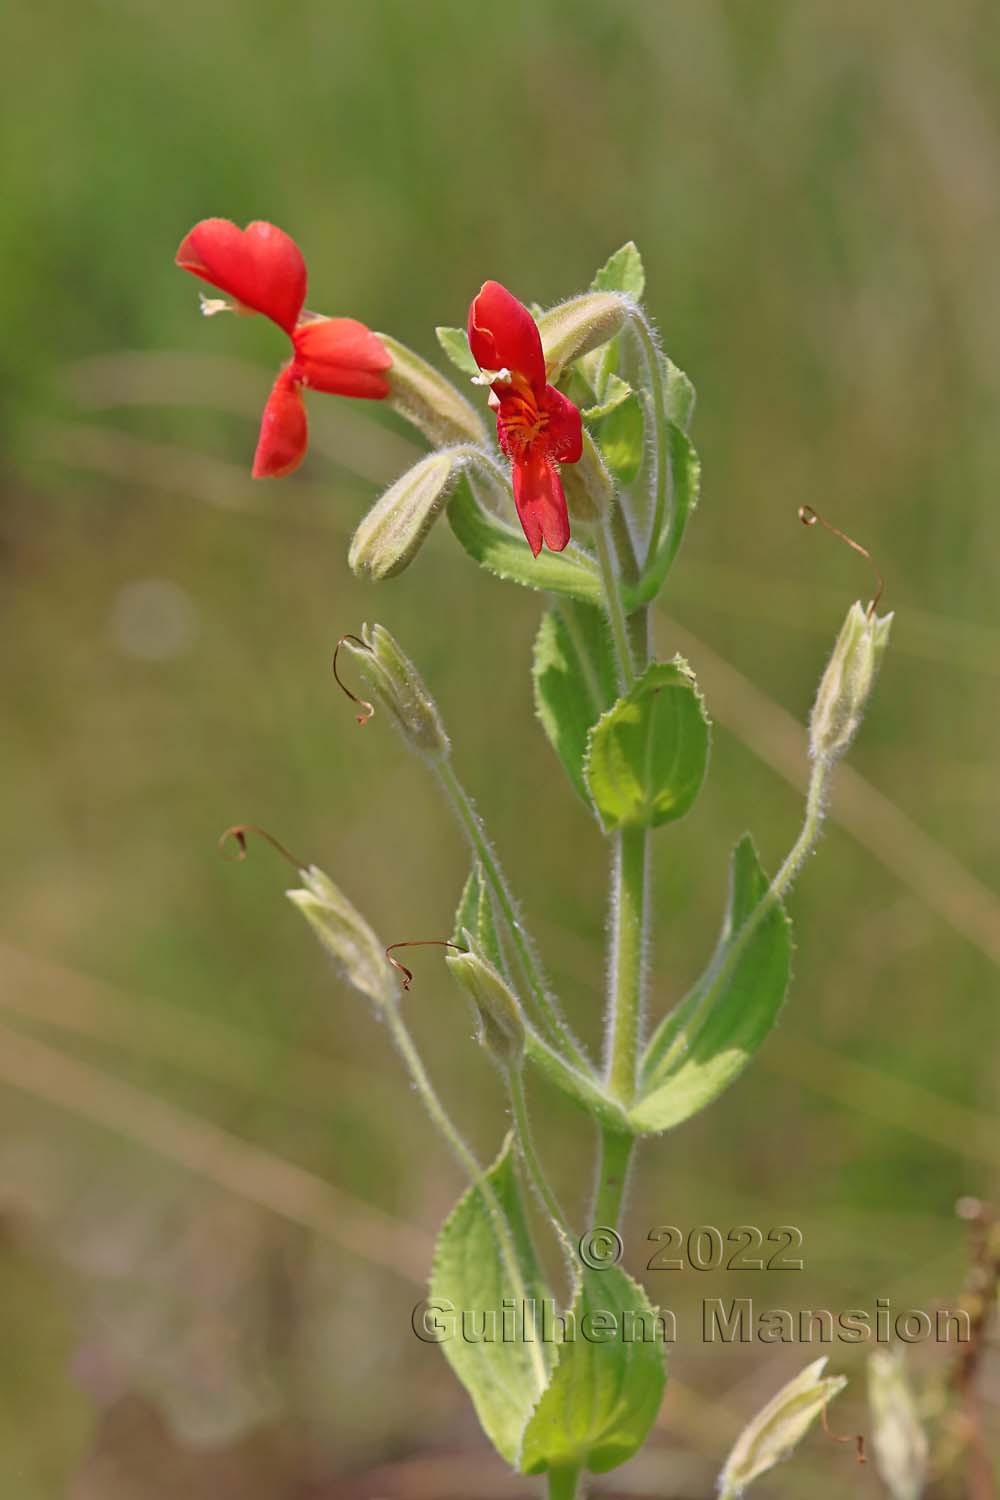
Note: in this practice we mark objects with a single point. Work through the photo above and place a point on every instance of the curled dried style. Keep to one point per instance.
(810, 517)
(857, 1438)
(368, 708)
(237, 835)
(417, 943)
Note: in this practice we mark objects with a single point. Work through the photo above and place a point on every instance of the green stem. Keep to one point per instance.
(630, 915)
(621, 533)
(536, 1173)
(783, 881)
(628, 571)
(585, 1089)
(812, 823)
(613, 605)
(564, 1484)
(529, 1154)
(463, 1153)
(553, 1023)
(661, 436)
(614, 1160)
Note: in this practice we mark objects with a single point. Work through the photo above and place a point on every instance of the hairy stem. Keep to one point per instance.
(463, 1153)
(564, 1484)
(529, 1153)
(536, 1172)
(614, 1161)
(805, 843)
(614, 608)
(812, 823)
(546, 1009)
(630, 917)
(629, 908)
(661, 436)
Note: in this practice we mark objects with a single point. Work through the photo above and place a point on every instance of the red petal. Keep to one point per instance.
(505, 444)
(541, 504)
(260, 266)
(504, 335)
(564, 434)
(284, 432)
(343, 357)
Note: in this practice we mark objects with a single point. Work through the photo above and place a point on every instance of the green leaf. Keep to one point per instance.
(679, 394)
(469, 1275)
(605, 1391)
(615, 392)
(622, 436)
(646, 757)
(709, 1038)
(475, 916)
(503, 550)
(575, 682)
(468, 904)
(455, 343)
(622, 272)
(686, 480)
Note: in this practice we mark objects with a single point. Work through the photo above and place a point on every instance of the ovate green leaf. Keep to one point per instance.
(646, 757)
(621, 435)
(679, 394)
(709, 1038)
(622, 272)
(574, 677)
(469, 1276)
(615, 391)
(503, 550)
(608, 1382)
(685, 482)
(455, 343)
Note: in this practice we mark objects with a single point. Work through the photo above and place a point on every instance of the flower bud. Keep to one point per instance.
(588, 487)
(778, 1427)
(346, 936)
(394, 529)
(579, 325)
(847, 682)
(426, 398)
(501, 1025)
(899, 1440)
(397, 685)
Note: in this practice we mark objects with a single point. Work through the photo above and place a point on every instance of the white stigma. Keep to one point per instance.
(212, 305)
(487, 377)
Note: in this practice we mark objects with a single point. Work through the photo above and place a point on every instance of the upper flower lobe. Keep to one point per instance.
(504, 335)
(262, 268)
(537, 426)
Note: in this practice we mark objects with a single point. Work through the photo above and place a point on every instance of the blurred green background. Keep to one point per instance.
(815, 192)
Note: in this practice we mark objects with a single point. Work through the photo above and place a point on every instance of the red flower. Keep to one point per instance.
(537, 426)
(262, 269)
